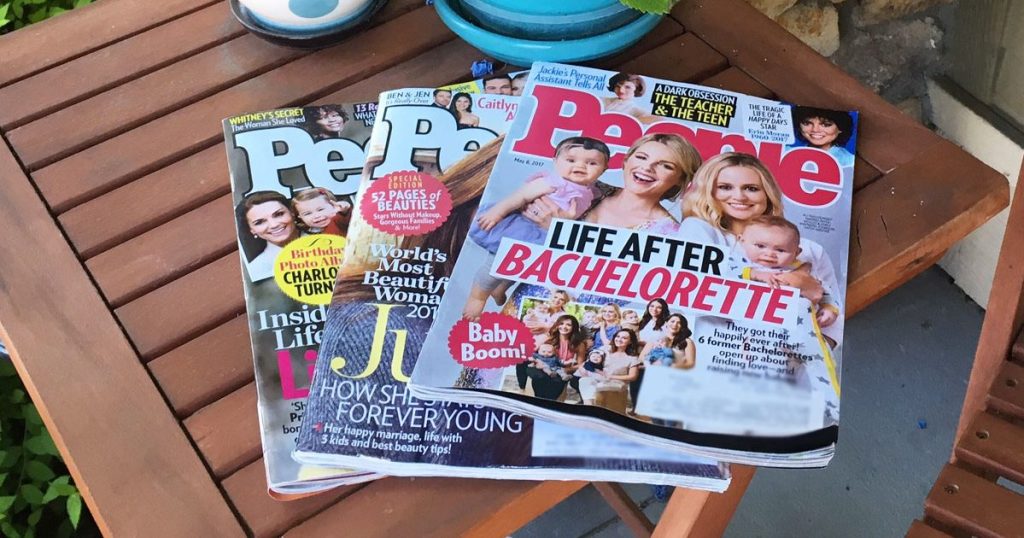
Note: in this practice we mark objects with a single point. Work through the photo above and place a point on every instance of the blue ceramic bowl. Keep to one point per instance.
(524, 52)
(304, 17)
(549, 20)
(325, 37)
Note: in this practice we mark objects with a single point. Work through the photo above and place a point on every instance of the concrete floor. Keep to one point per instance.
(907, 361)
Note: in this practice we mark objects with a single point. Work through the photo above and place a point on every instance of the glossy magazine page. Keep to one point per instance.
(659, 260)
(425, 171)
(293, 176)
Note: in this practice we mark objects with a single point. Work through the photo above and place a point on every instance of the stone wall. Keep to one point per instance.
(891, 46)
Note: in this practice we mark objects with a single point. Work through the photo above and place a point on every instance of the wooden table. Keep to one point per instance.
(120, 293)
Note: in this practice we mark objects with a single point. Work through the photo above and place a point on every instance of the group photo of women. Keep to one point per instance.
(594, 351)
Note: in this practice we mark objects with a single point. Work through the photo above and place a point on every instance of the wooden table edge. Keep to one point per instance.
(137, 470)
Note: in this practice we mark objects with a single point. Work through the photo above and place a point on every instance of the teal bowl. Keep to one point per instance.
(548, 20)
(524, 52)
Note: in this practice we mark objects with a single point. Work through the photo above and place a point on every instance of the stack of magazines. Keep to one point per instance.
(566, 274)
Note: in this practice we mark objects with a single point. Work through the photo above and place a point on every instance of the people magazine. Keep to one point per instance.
(426, 168)
(293, 175)
(657, 260)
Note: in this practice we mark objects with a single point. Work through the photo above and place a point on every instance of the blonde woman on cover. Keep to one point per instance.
(608, 323)
(728, 192)
(657, 167)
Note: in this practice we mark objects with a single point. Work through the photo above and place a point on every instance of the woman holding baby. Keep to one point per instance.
(656, 168)
(729, 192)
(735, 203)
(609, 387)
(673, 347)
(570, 345)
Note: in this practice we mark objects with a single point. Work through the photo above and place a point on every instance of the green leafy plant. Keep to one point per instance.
(37, 497)
(15, 14)
(650, 6)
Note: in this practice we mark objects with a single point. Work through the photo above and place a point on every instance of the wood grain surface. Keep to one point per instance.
(96, 399)
(54, 41)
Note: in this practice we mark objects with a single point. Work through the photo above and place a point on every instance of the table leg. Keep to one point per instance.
(628, 511)
(693, 513)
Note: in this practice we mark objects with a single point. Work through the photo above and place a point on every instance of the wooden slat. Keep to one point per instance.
(78, 126)
(88, 122)
(441, 507)
(796, 73)
(999, 332)
(170, 192)
(513, 514)
(185, 308)
(227, 432)
(697, 514)
(921, 530)
(684, 58)
(994, 444)
(630, 514)
(109, 164)
(902, 225)
(1017, 349)
(734, 79)
(51, 42)
(1007, 393)
(203, 370)
(966, 501)
(110, 66)
(265, 516)
(166, 252)
(89, 386)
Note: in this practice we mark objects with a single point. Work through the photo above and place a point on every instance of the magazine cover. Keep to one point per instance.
(659, 260)
(426, 168)
(293, 174)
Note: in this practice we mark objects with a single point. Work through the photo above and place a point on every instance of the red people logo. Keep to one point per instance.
(807, 176)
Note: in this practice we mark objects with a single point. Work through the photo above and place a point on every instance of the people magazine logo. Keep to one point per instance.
(406, 203)
(492, 341)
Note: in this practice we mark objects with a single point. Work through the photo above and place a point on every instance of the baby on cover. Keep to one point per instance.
(548, 362)
(579, 162)
(320, 211)
(770, 247)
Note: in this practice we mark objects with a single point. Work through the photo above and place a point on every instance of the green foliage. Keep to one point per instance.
(15, 14)
(36, 494)
(650, 6)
